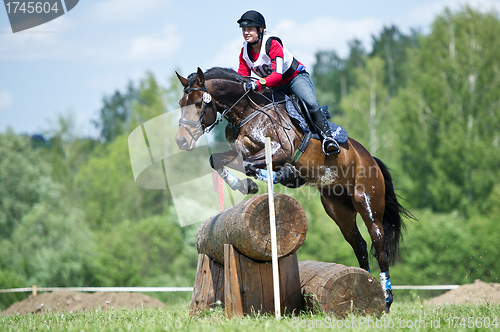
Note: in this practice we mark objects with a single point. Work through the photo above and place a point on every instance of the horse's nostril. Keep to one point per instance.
(182, 142)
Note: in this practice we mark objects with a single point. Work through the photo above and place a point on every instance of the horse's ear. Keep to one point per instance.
(200, 78)
(183, 81)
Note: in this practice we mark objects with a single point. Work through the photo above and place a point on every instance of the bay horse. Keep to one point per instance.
(349, 183)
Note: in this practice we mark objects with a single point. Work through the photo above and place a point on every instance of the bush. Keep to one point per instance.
(448, 249)
(53, 247)
(150, 252)
(8, 279)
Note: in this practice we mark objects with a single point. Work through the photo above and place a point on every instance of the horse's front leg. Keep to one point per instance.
(255, 166)
(232, 159)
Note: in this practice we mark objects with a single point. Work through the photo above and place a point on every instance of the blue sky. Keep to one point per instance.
(70, 63)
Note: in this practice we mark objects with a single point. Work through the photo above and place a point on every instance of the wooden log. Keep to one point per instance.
(337, 289)
(246, 227)
(249, 285)
(208, 289)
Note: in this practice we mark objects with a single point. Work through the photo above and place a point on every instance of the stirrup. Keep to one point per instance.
(326, 142)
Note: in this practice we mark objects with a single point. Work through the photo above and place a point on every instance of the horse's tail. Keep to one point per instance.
(392, 220)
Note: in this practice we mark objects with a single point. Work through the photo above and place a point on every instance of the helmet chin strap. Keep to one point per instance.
(261, 35)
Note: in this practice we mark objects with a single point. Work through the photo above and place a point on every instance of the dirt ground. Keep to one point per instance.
(72, 301)
(478, 292)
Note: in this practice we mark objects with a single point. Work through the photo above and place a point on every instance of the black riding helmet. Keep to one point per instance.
(252, 18)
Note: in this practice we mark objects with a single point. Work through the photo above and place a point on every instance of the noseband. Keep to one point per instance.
(198, 127)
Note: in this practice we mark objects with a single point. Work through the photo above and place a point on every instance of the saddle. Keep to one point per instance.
(296, 109)
(301, 118)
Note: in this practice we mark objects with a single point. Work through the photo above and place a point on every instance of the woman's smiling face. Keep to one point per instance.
(250, 34)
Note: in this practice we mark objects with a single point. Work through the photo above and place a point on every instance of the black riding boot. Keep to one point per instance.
(330, 145)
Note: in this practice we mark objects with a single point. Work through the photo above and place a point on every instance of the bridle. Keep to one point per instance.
(198, 127)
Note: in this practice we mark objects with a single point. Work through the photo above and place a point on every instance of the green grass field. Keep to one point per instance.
(404, 316)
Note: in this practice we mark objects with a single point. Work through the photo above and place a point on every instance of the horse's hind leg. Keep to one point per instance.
(341, 210)
(371, 205)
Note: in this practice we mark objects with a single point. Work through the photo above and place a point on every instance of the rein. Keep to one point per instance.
(200, 128)
(197, 128)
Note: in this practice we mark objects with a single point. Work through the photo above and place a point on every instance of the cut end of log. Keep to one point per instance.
(339, 290)
(291, 227)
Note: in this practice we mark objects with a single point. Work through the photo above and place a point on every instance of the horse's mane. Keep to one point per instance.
(218, 72)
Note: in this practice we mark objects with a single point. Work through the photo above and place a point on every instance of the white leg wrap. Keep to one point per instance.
(385, 281)
(262, 175)
(230, 179)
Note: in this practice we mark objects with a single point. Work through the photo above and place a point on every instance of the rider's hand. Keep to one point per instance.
(250, 86)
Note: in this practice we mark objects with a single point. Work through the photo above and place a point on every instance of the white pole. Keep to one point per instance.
(272, 222)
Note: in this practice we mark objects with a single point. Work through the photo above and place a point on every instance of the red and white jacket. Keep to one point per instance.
(274, 63)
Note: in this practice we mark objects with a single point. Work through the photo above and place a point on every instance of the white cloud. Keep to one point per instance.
(422, 16)
(227, 55)
(325, 33)
(78, 35)
(32, 45)
(43, 42)
(328, 33)
(153, 47)
(127, 10)
(6, 100)
(107, 82)
(304, 40)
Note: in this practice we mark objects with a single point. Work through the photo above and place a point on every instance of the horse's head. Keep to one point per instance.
(198, 111)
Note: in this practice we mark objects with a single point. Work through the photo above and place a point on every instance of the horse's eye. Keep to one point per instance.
(197, 104)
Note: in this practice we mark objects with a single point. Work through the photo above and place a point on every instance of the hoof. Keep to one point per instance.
(250, 170)
(290, 171)
(388, 300)
(291, 177)
(294, 183)
(248, 187)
